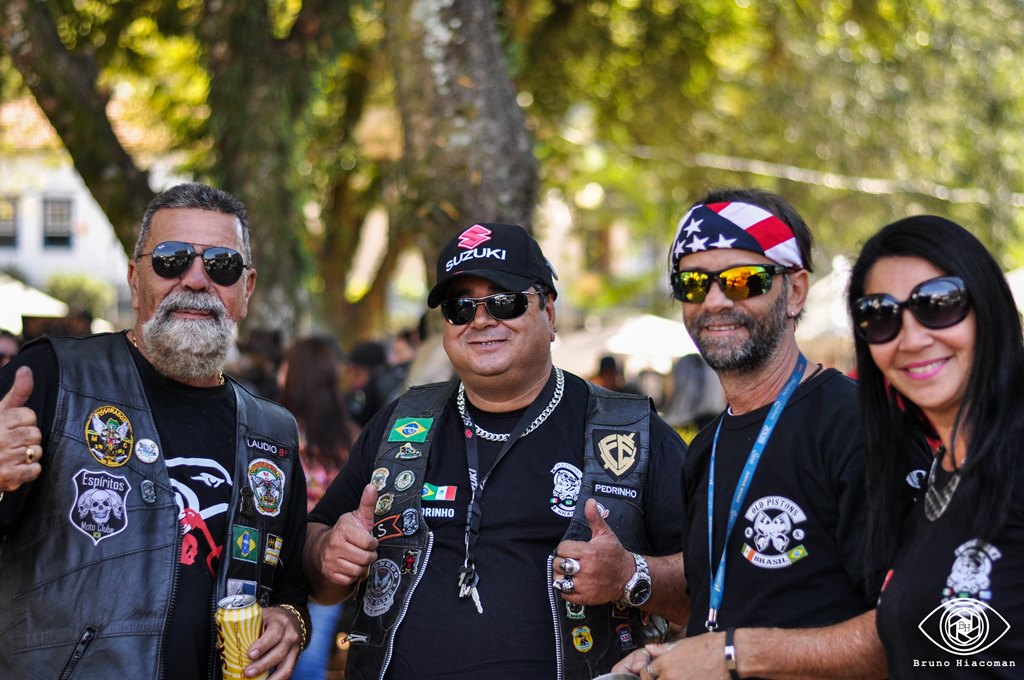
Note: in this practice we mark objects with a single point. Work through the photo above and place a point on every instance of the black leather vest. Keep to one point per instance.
(588, 642)
(90, 570)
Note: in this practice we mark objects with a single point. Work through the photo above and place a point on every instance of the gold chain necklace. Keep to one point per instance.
(131, 337)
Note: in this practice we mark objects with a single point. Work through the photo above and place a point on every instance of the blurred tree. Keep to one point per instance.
(82, 293)
(317, 113)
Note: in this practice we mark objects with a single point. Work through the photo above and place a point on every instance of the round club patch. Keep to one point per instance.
(381, 586)
(108, 434)
(267, 483)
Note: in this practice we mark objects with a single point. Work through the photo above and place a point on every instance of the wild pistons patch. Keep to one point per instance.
(616, 451)
(100, 509)
(267, 483)
(108, 434)
(773, 539)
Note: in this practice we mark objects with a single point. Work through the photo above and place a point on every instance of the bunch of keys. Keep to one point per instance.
(468, 578)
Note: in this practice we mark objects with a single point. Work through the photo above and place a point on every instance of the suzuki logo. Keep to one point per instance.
(474, 236)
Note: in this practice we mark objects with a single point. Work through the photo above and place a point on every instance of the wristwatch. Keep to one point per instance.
(638, 588)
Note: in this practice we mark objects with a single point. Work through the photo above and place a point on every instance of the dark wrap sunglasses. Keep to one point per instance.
(936, 303)
(502, 306)
(171, 259)
(737, 283)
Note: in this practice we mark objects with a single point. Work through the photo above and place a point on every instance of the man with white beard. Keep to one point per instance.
(205, 491)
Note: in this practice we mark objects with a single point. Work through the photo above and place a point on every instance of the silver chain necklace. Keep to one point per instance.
(490, 436)
(936, 500)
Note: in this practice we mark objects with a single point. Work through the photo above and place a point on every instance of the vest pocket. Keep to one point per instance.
(88, 635)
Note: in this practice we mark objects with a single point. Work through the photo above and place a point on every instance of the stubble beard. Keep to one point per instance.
(764, 335)
(189, 350)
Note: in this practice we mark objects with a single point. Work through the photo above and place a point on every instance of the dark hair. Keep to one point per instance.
(774, 204)
(990, 414)
(195, 195)
(312, 392)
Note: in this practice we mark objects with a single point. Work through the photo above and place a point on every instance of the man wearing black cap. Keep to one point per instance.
(517, 523)
(773, 488)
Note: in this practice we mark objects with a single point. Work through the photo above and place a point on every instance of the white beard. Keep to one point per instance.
(189, 350)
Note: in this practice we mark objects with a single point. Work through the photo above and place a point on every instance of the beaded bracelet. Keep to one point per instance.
(302, 622)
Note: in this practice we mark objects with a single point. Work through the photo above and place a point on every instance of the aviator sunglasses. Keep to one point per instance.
(737, 283)
(171, 259)
(936, 303)
(502, 306)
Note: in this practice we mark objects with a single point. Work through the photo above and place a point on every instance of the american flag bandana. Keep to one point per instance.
(735, 225)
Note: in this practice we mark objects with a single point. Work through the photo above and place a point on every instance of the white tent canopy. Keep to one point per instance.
(18, 299)
(641, 340)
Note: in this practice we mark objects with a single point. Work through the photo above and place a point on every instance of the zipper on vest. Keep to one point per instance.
(79, 651)
(552, 600)
(161, 667)
(405, 606)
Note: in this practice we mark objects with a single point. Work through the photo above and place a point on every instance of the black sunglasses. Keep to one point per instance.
(171, 259)
(737, 283)
(502, 306)
(936, 303)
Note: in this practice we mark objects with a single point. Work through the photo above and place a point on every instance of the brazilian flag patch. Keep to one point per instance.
(411, 430)
(797, 553)
(245, 543)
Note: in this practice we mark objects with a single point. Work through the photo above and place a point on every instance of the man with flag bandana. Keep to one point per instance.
(515, 526)
(773, 488)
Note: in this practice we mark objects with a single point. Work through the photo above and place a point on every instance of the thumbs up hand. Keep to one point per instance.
(350, 546)
(602, 566)
(19, 435)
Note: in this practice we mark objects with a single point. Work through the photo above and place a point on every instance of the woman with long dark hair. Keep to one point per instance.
(940, 354)
(311, 390)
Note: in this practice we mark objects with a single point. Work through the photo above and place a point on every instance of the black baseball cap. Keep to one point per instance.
(504, 254)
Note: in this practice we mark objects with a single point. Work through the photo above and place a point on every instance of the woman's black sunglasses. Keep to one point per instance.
(502, 306)
(738, 282)
(936, 303)
(171, 259)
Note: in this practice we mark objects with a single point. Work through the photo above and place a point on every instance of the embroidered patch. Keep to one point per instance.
(408, 452)
(620, 611)
(411, 430)
(565, 492)
(438, 493)
(389, 527)
(381, 586)
(384, 503)
(772, 533)
(575, 611)
(410, 521)
(267, 483)
(245, 542)
(266, 446)
(272, 554)
(379, 478)
(582, 640)
(108, 434)
(404, 480)
(100, 509)
(147, 450)
(625, 636)
(410, 561)
(616, 451)
(615, 491)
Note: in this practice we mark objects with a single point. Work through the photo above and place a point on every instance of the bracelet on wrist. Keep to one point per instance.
(302, 623)
(730, 654)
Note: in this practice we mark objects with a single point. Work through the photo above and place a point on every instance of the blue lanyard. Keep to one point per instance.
(742, 486)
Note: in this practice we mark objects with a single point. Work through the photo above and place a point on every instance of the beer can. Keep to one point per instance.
(239, 625)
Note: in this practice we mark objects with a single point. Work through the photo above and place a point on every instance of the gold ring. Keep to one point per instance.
(30, 454)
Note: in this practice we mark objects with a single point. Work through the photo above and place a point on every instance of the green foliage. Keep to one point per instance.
(82, 293)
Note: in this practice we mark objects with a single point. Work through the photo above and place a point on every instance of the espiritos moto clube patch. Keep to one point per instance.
(108, 435)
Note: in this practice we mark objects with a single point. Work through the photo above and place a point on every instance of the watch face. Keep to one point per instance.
(640, 593)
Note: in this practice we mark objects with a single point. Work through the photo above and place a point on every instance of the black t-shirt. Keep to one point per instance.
(523, 520)
(795, 555)
(197, 435)
(921, 618)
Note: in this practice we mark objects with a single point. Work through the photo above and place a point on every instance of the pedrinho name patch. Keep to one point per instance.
(410, 430)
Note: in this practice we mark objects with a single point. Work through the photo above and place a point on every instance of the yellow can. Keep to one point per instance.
(239, 625)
